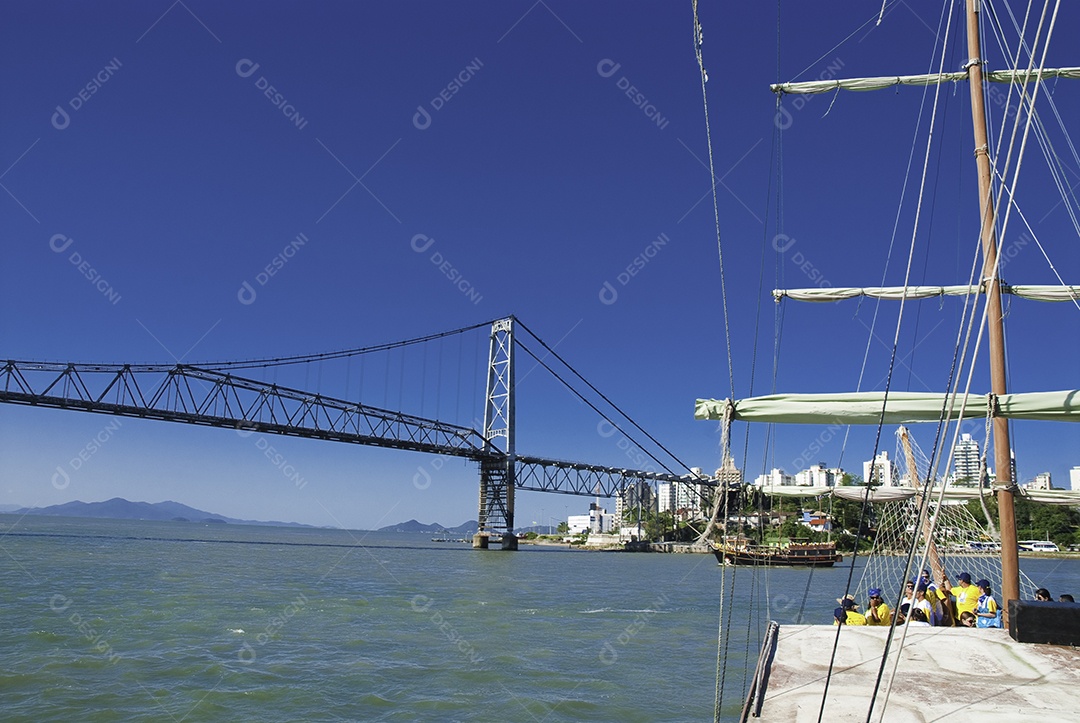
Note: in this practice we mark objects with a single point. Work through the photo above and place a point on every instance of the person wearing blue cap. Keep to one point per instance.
(987, 613)
(877, 612)
(851, 615)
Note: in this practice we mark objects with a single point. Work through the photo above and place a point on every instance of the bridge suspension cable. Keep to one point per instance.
(614, 406)
(330, 355)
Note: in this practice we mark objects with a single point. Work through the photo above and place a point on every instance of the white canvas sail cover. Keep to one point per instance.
(895, 293)
(901, 407)
(889, 81)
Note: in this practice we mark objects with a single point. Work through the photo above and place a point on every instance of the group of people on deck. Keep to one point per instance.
(926, 604)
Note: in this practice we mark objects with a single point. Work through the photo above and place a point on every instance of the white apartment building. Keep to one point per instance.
(966, 459)
(636, 493)
(665, 497)
(881, 470)
(728, 475)
(1074, 479)
(775, 478)
(1042, 481)
(819, 476)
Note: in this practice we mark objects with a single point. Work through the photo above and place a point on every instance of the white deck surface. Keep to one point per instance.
(982, 675)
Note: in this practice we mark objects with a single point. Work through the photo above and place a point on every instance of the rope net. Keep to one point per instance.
(963, 545)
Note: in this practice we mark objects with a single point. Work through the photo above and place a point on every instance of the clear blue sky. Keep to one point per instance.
(557, 142)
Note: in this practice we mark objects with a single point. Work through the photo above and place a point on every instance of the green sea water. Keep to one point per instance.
(108, 620)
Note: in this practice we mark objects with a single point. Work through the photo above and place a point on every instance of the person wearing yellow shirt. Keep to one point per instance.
(850, 616)
(877, 612)
(966, 594)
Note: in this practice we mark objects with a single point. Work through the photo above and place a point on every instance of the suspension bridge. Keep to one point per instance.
(215, 395)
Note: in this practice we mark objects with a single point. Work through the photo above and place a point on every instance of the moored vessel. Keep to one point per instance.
(792, 554)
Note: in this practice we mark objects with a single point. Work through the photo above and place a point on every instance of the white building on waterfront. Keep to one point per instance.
(598, 520)
(1074, 479)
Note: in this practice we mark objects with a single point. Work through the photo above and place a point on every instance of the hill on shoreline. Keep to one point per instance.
(466, 528)
(120, 509)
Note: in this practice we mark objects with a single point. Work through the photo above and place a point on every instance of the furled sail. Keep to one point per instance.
(889, 81)
(900, 408)
(1033, 293)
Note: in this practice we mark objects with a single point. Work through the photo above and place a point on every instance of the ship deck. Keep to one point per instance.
(982, 673)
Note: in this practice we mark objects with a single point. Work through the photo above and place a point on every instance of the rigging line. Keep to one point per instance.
(719, 698)
(1016, 120)
(776, 155)
(715, 197)
(900, 319)
(1057, 173)
(595, 409)
(304, 358)
(892, 363)
(828, 52)
(1050, 97)
(896, 226)
(1027, 129)
(1038, 243)
(589, 384)
(1057, 167)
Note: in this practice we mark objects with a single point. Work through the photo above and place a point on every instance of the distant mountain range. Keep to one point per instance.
(466, 528)
(120, 509)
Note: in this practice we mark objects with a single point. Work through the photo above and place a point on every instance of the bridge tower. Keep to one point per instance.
(497, 472)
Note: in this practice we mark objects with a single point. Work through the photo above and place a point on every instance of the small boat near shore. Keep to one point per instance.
(792, 554)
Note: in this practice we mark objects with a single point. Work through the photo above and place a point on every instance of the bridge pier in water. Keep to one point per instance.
(497, 472)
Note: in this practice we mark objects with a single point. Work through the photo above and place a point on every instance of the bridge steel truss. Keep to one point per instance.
(198, 395)
(538, 474)
(184, 393)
